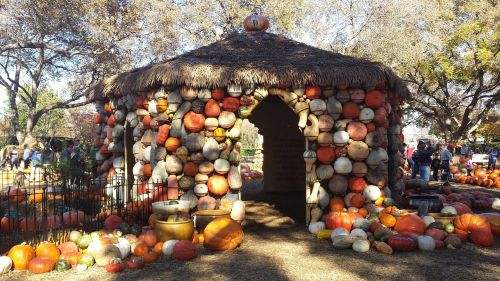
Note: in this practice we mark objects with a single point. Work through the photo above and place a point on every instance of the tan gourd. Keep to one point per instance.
(225, 148)
(313, 198)
(311, 132)
(325, 123)
(290, 98)
(234, 178)
(316, 214)
(302, 109)
(309, 158)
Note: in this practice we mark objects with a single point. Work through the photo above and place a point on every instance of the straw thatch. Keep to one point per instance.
(254, 58)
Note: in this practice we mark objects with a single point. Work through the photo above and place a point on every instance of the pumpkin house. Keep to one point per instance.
(179, 122)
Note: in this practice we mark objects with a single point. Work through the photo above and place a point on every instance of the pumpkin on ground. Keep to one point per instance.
(184, 250)
(494, 220)
(341, 219)
(222, 234)
(410, 224)
(41, 265)
(403, 243)
(5, 264)
(21, 255)
(48, 250)
(72, 258)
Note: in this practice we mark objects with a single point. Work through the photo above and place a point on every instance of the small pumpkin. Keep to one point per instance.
(150, 257)
(73, 258)
(218, 185)
(168, 247)
(410, 224)
(184, 250)
(5, 264)
(41, 265)
(313, 92)
(374, 99)
(387, 220)
(141, 249)
(350, 110)
(194, 122)
(426, 243)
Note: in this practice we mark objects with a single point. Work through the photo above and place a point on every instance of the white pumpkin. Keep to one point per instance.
(124, 246)
(94, 247)
(426, 243)
(363, 224)
(137, 170)
(340, 138)
(372, 192)
(5, 264)
(334, 107)
(74, 235)
(315, 227)
(222, 166)
(339, 231)
(105, 254)
(361, 246)
(358, 232)
(449, 210)
(211, 149)
(147, 154)
(238, 211)
(343, 241)
(201, 189)
(317, 106)
(168, 247)
(366, 115)
(376, 157)
(324, 172)
(324, 198)
(152, 107)
(428, 220)
(342, 165)
(496, 204)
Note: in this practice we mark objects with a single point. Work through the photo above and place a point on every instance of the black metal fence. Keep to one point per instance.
(50, 206)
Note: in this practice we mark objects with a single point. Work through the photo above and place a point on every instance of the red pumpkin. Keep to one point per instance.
(141, 249)
(325, 154)
(230, 104)
(336, 204)
(139, 101)
(41, 265)
(111, 120)
(8, 224)
(439, 244)
(350, 110)
(16, 195)
(217, 185)
(217, 93)
(460, 207)
(135, 263)
(115, 265)
(256, 23)
(435, 233)
(374, 99)
(357, 200)
(313, 92)
(162, 134)
(341, 219)
(194, 122)
(107, 108)
(28, 224)
(357, 130)
(149, 238)
(146, 121)
(356, 184)
(212, 108)
(410, 224)
(112, 222)
(402, 242)
(184, 250)
(482, 237)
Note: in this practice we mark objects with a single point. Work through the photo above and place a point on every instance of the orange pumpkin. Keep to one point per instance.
(217, 185)
(146, 121)
(357, 130)
(336, 204)
(217, 93)
(146, 170)
(255, 23)
(341, 219)
(222, 234)
(141, 249)
(374, 99)
(49, 250)
(107, 108)
(363, 212)
(190, 169)
(16, 195)
(370, 127)
(68, 247)
(313, 92)
(41, 265)
(150, 257)
(72, 258)
(194, 122)
(212, 108)
(158, 248)
(410, 224)
(356, 184)
(162, 134)
(325, 154)
(171, 144)
(21, 255)
(149, 238)
(357, 200)
(387, 219)
(350, 110)
(494, 220)
(454, 169)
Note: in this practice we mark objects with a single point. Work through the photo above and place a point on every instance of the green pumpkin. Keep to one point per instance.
(385, 237)
(136, 230)
(449, 228)
(62, 265)
(173, 202)
(371, 238)
(124, 228)
(87, 260)
(84, 241)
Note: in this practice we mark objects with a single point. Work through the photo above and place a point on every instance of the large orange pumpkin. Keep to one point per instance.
(350, 110)
(212, 108)
(336, 204)
(341, 219)
(469, 222)
(217, 185)
(194, 122)
(256, 23)
(374, 99)
(325, 154)
(21, 255)
(410, 224)
(48, 250)
(162, 134)
(222, 234)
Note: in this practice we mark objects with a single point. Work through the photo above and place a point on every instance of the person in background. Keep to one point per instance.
(492, 157)
(26, 156)
(435, 163)
(36, 163)
(464, 150)
(409, 154)
(446, 158)
(468, 166)
(422, 159)
(14, 159)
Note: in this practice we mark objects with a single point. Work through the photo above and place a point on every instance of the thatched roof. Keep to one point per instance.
(253, 58)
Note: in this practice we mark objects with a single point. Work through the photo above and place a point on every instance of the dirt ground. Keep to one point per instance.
(277, 247)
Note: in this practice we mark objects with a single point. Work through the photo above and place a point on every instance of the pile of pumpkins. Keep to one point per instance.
(396, 230)
(20, 200)
(118, 246)
(480, 176)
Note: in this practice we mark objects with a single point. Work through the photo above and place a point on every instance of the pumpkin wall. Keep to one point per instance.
(189, 139)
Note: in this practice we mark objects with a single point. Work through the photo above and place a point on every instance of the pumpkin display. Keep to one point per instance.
(222, 234)
(313, 92)
(184, 250)
(73, 258)
(402, 243)
(48, 250)
(341, 219)
(350, 110)
(357, 130)
(21, 255)
(194, 122)
(325, 154)
(218, 185)
(356, 184)
(41, 265)
(374, 99)
(410, 224)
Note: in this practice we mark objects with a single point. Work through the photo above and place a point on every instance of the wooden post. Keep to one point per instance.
(308, 189)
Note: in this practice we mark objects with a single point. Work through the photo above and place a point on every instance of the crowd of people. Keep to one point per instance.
(427, 157)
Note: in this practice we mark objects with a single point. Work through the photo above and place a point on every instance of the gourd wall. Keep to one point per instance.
(189, 139)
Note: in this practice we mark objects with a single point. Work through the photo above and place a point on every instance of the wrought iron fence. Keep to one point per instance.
(51, 205)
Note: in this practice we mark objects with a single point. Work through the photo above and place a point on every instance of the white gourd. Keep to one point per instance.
(137, 169)
(315, 227)
(342, 165)
(168, 247)
(449, 210)
(362, 223)
(343, 241)
(426, 243)
(361, 246)
(324, 198)
(340, 138)
(428, 220)
(339, 231)
(372, 192)
(211, 149)
(358, 232)
(234, 178)
(5, 264)
(124, 246)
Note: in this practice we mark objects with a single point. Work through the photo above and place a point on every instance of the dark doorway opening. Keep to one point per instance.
(283, 184)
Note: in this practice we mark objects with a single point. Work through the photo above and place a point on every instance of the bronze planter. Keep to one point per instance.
(174, 230)
(203, 217)
(443, 218)
(434, 204)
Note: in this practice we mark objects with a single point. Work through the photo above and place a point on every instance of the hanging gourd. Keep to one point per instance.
(338, 184)
(356, 130)
(256, 23)
(317, 106)
(325, 154)
(194, 122)
(313, 92)
(359, 169)
(343, 96)
(188, 93)
(357, 95)
(217, 185)
(230, 104)
(350, 110)
(334, 107)
(311, 131)
(324, 172)
(374, 99)
(227, 119)
(358, 150)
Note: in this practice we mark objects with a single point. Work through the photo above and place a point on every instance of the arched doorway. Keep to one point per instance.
(284, 179)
